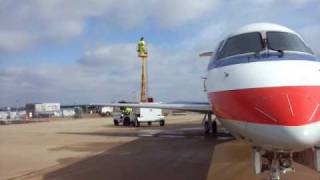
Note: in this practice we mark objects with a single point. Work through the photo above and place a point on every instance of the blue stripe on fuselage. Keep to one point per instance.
(240, 59)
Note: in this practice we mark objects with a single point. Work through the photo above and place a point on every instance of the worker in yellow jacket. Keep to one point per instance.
(127, 110)
(142, 47)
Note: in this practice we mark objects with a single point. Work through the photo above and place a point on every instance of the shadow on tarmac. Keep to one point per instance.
(178, 155)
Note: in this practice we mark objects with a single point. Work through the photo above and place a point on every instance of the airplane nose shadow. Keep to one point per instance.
(172, 154)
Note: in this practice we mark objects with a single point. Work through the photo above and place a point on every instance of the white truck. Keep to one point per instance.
(106, 111)
(138, 116)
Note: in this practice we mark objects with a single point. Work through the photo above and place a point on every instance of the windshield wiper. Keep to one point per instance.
(260, 53)
(263, 51)
(278, 50)
(266, 52)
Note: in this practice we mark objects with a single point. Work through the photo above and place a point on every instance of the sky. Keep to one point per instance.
(81, 51)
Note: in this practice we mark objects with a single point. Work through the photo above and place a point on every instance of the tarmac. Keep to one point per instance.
(95, 149)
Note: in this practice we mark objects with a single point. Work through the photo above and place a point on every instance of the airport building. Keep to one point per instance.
(43, 110)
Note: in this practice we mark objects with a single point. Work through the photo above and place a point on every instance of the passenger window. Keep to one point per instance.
(240, 44)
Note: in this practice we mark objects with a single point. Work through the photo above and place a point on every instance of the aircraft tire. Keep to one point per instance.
(126, 121)
(115, 122)
(206, 127)
(214, 127)
(133, 123)
(162, 122)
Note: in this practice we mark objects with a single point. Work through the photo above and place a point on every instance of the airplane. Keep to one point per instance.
(263, 86)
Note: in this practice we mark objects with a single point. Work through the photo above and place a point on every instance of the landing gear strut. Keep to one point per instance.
(277, 163)
(209, 124)
(317, 158)
(257, 160)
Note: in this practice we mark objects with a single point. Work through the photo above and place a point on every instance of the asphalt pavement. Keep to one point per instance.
(95, 149)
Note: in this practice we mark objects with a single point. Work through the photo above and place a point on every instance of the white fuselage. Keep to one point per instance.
(272, 103)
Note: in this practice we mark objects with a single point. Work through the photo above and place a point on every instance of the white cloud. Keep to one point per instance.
(102, 76)
(288, 2)
(111, 72)
(37, 21)
(168, 73)
(11, 40)
(70, 84)
(173, 13)
(24, 24)
(301, 2)
(311, 34)
(113, 56)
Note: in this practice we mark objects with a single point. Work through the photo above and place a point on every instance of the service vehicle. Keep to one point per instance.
(106, 111)
(138, 116)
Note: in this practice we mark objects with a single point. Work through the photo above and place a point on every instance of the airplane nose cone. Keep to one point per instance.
(300, 137)
(294, 114)
(282, 117)
(287, 106)
(289, 109)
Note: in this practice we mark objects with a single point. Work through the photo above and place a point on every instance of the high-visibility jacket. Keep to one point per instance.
(141, 46)
(127, 110)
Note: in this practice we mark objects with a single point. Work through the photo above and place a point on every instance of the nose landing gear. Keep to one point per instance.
(209, 124)
(277, 163)
(280, 164)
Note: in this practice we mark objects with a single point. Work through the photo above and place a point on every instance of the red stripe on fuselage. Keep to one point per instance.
(289, 106)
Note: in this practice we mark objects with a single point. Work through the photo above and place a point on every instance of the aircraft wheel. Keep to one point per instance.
(149, 123)
(133, 123)
(162, 123)
(115, 122)
(214, 127)
(126, 121)
(206, 127)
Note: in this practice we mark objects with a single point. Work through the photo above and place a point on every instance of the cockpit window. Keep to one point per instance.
(286, 41)
(240, 44)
